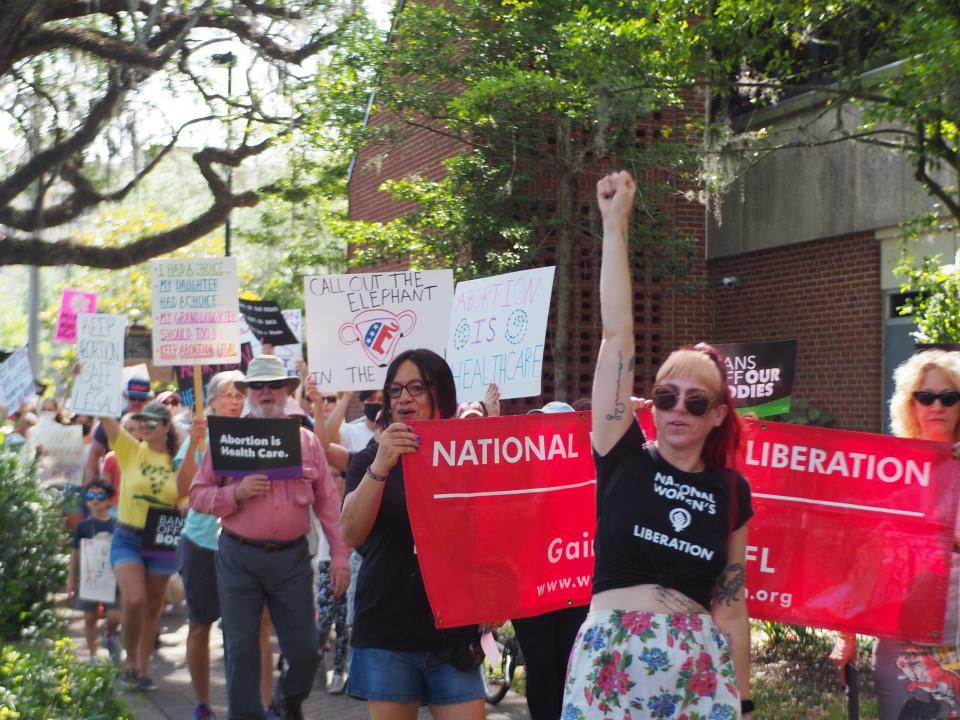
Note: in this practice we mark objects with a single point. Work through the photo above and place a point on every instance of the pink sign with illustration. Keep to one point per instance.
(72, 303)
(357, 324)
(378, 332)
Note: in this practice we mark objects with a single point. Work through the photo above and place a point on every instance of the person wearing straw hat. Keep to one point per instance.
(262, 554)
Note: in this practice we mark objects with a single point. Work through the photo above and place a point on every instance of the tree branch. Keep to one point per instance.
(932, 186)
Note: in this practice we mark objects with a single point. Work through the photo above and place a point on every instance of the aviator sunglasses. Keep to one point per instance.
(697, 403)
(948, 398)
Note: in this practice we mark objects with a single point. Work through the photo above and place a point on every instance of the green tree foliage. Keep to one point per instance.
(32, 562)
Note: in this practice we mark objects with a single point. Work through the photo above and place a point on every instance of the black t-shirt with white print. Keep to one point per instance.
(659, 525)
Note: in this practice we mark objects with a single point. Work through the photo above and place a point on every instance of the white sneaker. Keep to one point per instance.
(337, 684)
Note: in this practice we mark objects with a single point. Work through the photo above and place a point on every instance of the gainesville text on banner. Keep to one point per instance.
(852, 531)
(195, 310)
(502, 511)
(248, 446)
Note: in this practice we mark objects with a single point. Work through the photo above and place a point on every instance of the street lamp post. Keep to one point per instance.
(228, 60)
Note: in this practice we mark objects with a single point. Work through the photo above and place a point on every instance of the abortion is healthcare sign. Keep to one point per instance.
(503, 515)
(195, 311)
(852, 531)
(357, 323)
(496, 333)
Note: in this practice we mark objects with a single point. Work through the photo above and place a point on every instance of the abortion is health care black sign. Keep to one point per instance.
(248, 446)
(760, 375)
(266, 322)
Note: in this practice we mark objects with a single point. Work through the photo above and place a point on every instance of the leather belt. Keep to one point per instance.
(267, 545)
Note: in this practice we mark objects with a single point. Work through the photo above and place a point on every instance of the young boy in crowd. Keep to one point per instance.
(97, 495)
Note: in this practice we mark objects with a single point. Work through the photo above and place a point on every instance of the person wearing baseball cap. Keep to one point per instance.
(137, 394)
(262, 553)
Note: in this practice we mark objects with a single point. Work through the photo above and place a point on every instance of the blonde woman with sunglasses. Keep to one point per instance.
(912, 679)
(667, 632)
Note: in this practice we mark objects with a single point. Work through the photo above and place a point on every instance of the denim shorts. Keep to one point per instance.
(125, 548)
(389, 676)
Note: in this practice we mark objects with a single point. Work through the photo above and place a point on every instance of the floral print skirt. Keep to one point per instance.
(630, 664)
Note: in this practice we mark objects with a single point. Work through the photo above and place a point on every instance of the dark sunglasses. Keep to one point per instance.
(948, 398)
(697, 403)
(273, 385)
(98, 495)
(148, 424)
(414, 387)
(330, 398)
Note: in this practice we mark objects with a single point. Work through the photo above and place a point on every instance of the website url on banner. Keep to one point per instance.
(567, 583)
(770, 597)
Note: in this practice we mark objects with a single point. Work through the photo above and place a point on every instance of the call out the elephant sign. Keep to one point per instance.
(356, 324)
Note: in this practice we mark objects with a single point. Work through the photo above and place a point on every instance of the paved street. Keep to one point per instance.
(174, 700)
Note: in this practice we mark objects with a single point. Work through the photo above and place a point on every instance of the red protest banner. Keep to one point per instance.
(503, 515)
(852, 531)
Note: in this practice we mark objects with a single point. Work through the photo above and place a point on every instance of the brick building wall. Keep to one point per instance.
(663, 318)
(826, 295)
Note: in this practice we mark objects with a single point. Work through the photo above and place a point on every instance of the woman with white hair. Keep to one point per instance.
(925, 406)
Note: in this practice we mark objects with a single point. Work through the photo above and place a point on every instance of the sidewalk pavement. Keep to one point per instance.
(174, 699)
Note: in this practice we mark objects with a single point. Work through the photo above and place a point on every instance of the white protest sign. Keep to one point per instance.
(195, 311)
(98, 388)
(356, 324)
(61, 459)
(16, 380)
(97, 581)
(496, 333)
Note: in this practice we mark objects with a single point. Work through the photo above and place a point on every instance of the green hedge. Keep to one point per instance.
(33, 551)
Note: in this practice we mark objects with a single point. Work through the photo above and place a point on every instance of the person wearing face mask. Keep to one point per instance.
(355, 435)
(399, 660)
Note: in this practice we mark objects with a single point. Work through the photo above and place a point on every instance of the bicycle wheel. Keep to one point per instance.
(497, 680)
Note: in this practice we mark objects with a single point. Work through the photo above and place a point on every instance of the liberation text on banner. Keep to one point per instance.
(357, 324)
(195, 311)
(852, 531)
(72, 303)
(98, 389)
(497, 330)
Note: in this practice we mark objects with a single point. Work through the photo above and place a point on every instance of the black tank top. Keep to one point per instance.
(659, 525)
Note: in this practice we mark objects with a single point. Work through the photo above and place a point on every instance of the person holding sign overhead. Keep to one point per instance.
(925, 406)
(667, 631)
(149, 483)
(262, 555)
(400, 659)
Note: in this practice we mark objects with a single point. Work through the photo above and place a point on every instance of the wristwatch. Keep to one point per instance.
(378, 478)
(747, 706)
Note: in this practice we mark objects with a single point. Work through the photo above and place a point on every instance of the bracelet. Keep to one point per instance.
(747, 706)
(378, 478)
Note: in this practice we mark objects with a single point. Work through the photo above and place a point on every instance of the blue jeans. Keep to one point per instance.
(393, 676)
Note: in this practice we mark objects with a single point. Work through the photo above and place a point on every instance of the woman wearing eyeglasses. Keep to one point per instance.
(399, 660)
(667, 632)
(925, 406)
(149, 481)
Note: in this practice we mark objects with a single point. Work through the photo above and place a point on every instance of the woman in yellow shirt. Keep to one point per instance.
(149, 481)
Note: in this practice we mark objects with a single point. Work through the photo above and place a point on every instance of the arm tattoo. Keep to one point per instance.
(676, 601)
(730, 584)
(618, 405)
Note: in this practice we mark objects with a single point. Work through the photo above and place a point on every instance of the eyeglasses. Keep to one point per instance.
(237, 396)
(90, 495)
(149, 424)
(414, 387)
(273, 385)
(330, 398)
(697, 403)
(948, 398)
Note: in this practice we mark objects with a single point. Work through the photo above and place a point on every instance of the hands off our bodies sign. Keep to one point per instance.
(496, 333)
(357, 323)
(760, 375)
(195, 309)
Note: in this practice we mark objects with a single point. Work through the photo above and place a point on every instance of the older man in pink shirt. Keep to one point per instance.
(262, 555)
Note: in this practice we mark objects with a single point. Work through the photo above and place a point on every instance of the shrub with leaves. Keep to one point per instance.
(47, 681)
(33, 560)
